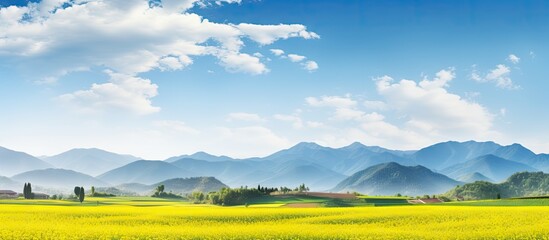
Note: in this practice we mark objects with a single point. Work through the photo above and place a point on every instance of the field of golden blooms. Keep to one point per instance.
(203, 222)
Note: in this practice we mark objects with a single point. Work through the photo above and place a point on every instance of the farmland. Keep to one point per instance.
(146, 218)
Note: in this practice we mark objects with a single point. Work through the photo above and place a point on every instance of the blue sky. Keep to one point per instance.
(259, 76)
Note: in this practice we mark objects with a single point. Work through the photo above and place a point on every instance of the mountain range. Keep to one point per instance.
(320, 168)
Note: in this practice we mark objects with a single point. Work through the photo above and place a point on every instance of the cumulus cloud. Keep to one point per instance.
(375, 105)
(242, 116)
(121, 92)
(429, 106)
(513, 58)
(310, 66)
(267, 34)
(417, 113)
(242, 62)
(296, 58)
(56, 37)
(500, 75)
(331, 101)
(277, 52)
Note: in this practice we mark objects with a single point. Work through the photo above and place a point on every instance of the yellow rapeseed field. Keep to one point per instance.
(207, 222)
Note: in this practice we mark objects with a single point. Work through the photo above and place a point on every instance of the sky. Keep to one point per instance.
(247, 78)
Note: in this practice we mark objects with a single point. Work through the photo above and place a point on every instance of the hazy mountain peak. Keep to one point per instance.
(354, 145)
(14, 162)
(92, 161)
(307, 145)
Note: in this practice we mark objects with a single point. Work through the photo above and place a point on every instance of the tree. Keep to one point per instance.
(25, 191)
(160, 189)
(30, 195)
(77, 191)
(498, 196)
(93, 191)
(81, 196)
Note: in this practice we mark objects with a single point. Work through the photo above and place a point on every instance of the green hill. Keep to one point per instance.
(523, 184)
(391, 178)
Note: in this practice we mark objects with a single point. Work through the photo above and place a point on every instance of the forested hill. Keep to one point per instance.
(523, 184)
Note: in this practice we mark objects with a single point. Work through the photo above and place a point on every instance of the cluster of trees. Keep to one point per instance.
(99, 194)
(228, 196)
(80, 193)
(240, 196)
(27, 191)
(159, 193)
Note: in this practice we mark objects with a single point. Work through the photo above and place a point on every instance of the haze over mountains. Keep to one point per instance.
(369, 169)
(91, 161)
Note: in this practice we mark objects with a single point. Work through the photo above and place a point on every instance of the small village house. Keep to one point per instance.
(8, 194)
(41, 196)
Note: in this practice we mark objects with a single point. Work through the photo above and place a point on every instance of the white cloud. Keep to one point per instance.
(296, 58)
(310, 66)
(443, 77)
(277, 52)
(500, 75)
(431, 106)
(242, 62)
(296, 121)
(417, 114)
(177, 126)
(174, 63)
(122, 92)
(503, 112)
(331, 101)
(314, 124)
(53, 38)
(267, 34)
(242, 116)
(513, 58)
(375, 105)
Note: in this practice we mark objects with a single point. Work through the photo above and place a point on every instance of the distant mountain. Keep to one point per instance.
(541, 162)
(515, 152)
(145, 172)
(523, 184)
(473, 177)
(201, 156)
(230, 172)
(346, 160)
(194, 184)
(177, 185)
(491, 166)
(8, 184)
(58, 178)
(392, 178)
(13, 162)
(275, 174)
(138, 188)
(312, 175)
(90, 161)
(446, 154)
